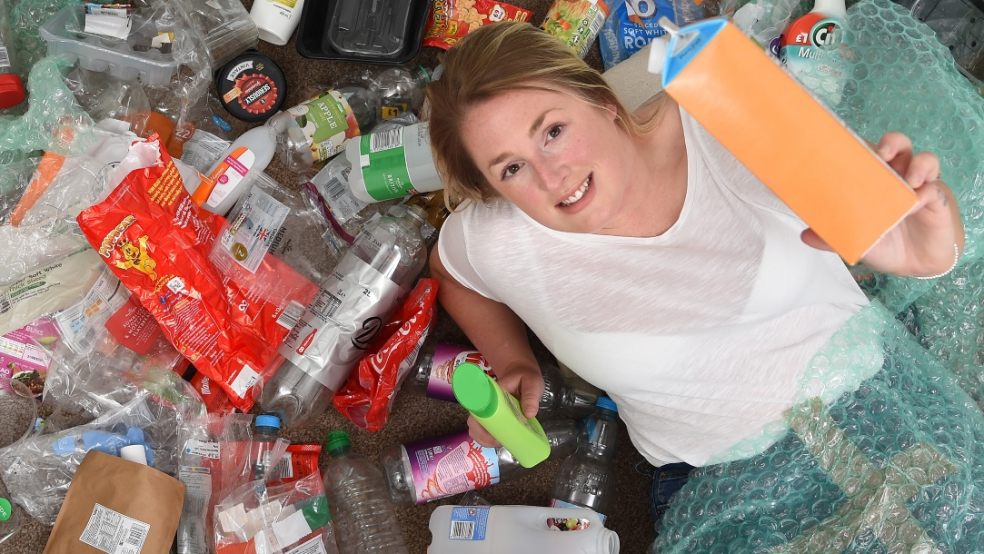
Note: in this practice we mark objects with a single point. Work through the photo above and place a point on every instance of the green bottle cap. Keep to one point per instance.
(337, 440)
(474, 389)
(316, 512)
(6, 510)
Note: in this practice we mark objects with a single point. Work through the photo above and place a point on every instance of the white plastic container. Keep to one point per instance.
(392, 163)
(496, 529)
(231, 176)
(276, 19)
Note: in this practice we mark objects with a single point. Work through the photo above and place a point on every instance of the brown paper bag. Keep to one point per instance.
(117, 507)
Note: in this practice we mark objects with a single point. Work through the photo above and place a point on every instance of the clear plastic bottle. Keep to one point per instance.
(585, 478)
(365, 520)
(437, 360)
(265, 435)
(337, 328)
(439, 467)
(400, 90)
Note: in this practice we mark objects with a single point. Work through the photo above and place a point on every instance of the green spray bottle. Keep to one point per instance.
(500, 414)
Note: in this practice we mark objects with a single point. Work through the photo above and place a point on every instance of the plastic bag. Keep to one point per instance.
(39, 469)
(275, 519)
(227, 321)
(631, 25)
(368, 394)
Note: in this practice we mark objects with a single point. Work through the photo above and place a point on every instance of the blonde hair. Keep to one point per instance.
(492, 60)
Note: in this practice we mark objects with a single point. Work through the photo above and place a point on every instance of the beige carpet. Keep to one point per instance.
(417, 417)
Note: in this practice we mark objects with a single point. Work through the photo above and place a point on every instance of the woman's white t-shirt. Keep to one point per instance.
(700, 334)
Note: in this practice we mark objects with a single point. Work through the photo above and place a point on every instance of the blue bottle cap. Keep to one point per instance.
(267, 420)
(606, 403)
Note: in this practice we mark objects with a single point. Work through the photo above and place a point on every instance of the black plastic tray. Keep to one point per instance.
(312, 37)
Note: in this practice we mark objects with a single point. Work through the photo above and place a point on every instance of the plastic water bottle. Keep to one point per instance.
(365, 521)
(400, 90)
(437, 361)
(439, 467)
(586, 478)
(392, 163)
(349, 310)
(265, 435)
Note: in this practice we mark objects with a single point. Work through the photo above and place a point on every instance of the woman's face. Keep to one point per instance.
(559, 159)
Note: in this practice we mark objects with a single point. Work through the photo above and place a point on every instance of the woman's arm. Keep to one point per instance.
(499, 335)
(923, 244)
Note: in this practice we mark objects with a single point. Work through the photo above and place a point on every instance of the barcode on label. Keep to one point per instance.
(597, 23)
(335, 188)
(136, 536)
(291, 314)
(4, 58)
(4, 304)
(284, 470)
(384, 140)
(462, 530)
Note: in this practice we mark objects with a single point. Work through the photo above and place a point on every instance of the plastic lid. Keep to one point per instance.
(268, 420)
(134, 453)
(606, 403)
(474, 389)
(251, 87)
(337, 440)
(11, 90)
(6, 510)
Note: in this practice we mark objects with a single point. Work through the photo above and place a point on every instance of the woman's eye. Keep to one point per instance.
(510, 170)
(554, 131)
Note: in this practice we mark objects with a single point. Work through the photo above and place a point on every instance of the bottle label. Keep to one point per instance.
(447, 357)
(327, 123)
(229, 174)
(810, 49)
(384, 164)
(340, 323)
(557, 503)
(469, 523)
(449, 465)
(252, 229)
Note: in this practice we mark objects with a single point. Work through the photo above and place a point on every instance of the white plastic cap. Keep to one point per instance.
(134, 453)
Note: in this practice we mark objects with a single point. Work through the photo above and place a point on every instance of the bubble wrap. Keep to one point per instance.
(26, 18)
(895, 465)
(883, 450)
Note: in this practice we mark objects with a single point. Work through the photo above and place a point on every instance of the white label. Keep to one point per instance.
(313, 546)
(79, 324)
(113, 532)
(291, 529)
(246, 379)
(205, 449)
(229, 174)
(291, 315)
(4, 58)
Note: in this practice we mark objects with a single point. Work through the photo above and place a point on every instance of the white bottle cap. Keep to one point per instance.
(134, 453)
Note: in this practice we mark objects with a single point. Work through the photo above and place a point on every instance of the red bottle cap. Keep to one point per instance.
(11, 90)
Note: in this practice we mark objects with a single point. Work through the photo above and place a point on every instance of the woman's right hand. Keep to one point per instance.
(525, 382)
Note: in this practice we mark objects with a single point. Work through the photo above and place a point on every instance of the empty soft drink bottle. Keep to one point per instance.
(346, 314)
(365, 521)
(437, 361)
(585, 478)
(265, 435)
(439, 467)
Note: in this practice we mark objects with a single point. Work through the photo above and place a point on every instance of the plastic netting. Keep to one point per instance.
(883, 450)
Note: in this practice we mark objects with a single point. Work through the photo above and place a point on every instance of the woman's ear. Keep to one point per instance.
(611, 110)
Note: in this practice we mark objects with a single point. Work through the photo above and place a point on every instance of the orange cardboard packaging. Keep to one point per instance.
(115, 506)
(809, 158)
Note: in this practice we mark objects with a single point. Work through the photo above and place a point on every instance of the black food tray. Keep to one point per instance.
(312, 34)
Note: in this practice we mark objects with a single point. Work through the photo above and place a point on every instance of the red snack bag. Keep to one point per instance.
(451, 20)
(298, 462)
(215, 399)
(367, 396)
(158, 244)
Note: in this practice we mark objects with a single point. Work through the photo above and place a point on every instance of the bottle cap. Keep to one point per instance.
(11, 90)
(268, 420)
(6, 510)
(134, 453)
(474, 389)
(606, 403)
(337, 440)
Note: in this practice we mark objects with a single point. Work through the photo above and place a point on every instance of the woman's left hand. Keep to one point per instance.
(921, 245)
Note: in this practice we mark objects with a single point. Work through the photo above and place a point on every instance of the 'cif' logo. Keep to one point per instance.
(825, 34)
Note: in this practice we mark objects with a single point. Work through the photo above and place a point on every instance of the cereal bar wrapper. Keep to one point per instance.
(451, 20)
(158, 243)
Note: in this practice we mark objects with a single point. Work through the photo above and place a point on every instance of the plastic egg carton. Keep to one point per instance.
(63, 33)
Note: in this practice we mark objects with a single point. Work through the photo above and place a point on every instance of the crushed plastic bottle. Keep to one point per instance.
(365, 521)
(439, 467)
(400, 90)
(335, 330)
(586, 479)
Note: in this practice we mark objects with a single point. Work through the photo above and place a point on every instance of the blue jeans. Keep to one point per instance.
(667, 480)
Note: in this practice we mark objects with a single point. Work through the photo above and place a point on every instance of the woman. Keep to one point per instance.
(640, 252)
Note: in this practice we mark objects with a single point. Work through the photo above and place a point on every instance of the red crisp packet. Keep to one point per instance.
(298, 462)
(367, 396)
(134, 327)
(215, 399)
(157, 243)
(451, 20)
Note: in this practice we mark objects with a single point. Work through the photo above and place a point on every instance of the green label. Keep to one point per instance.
(384, 165)
(325, 122)
(6, 510)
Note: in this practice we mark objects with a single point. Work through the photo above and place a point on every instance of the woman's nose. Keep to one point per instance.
(555, 175)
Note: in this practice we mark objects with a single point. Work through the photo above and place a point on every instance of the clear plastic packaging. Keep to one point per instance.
(224, 27)
(585, 479)
(370, 29)
(959, 24)
(39, 469)
(18, 411)
(364, 516)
